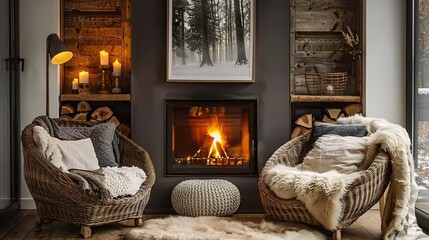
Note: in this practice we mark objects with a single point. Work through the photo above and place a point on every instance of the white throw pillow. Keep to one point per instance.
(66, 155)
(334, 152)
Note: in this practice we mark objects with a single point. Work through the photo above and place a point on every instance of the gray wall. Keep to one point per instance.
(149, 90)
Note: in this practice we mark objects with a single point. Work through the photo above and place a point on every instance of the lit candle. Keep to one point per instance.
(75, 84)
(84, 77)
(117, 68)
(104, 58)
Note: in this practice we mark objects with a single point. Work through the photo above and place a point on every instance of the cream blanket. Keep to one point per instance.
(109, 182)
(399, 220)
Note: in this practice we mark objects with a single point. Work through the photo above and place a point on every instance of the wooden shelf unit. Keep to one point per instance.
(95, 97)
(317, 98)
(317, 45)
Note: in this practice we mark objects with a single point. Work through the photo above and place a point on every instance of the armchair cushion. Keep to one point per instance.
(103, 137)
(66, 154)
(322, 128)
(344, 154)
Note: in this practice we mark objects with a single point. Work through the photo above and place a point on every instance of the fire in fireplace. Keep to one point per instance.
(211, 137)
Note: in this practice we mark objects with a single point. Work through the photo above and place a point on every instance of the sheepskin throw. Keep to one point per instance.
(399, 220)
(320, 192)
(216, 228)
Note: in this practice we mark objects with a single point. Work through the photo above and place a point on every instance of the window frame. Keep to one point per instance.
(411, 26)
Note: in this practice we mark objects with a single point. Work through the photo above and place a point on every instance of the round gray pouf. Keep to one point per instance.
(213, 197)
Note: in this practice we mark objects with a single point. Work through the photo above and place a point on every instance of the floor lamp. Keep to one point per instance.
(58, 53)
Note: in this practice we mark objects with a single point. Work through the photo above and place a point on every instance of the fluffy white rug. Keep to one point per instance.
(216, 228)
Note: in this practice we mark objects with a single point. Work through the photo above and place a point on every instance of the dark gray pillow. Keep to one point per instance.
(322, 128)
(103, 137)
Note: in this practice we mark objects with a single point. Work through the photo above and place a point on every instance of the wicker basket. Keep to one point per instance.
(313, 81)
(326, 83)
(333, 83)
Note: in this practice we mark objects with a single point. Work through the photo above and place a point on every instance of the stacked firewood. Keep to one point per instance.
(101, 114)
(304, 123)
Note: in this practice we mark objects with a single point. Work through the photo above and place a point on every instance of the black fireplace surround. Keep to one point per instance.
(211, 137)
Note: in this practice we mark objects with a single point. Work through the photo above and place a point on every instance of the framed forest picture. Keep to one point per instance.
(211, 40)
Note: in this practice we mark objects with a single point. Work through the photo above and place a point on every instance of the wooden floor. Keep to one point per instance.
(366, 227)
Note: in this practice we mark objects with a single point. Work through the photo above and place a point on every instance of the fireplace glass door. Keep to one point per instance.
(211, 137)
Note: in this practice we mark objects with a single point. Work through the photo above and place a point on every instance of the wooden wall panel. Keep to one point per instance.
(316, 40)
(88, 28)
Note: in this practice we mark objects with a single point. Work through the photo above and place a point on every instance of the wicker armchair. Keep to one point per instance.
(59, 197)
(364, 193)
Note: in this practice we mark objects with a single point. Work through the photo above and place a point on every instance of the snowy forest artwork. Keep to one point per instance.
(210, 40)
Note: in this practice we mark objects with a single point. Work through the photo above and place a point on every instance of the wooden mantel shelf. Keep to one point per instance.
(317, 98)
(95, 97)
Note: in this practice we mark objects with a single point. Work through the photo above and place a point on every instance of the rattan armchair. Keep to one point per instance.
(58, 197)
(364, 193)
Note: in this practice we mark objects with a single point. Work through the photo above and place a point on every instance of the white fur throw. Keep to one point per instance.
(320, 192)
(399, 221)
(216, 228)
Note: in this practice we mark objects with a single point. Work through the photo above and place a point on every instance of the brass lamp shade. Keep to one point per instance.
(58, 53)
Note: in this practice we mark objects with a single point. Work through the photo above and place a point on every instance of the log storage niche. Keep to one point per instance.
(304, 123)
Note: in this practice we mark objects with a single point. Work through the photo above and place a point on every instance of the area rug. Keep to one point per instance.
(216, 228)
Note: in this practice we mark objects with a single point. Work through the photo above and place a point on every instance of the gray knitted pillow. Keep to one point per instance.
(102, 137)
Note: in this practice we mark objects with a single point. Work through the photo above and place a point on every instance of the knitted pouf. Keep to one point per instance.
(214, 197)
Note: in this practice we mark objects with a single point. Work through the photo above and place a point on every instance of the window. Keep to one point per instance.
(418, 97)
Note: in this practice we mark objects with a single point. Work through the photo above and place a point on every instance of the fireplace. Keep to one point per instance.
(211, 137)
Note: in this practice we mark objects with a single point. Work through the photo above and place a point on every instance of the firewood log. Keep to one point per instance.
(206, 145)
(220, 149)
(80, 117)
(298, 131)
(341, 115)
(66, 117)
(326, 119)
(125, 130)
(67, 109)
(333, 113)
(114, 120)
(352, 109)
(83, 106)
(102, 114)
(305, 121)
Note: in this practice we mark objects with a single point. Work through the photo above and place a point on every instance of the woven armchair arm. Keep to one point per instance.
(367, 190)
(44, 180)
(288, 154)
(134, 155)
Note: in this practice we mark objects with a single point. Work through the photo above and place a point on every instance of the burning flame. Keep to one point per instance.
(219, 142)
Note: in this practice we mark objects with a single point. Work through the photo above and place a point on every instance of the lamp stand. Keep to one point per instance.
(47, 76)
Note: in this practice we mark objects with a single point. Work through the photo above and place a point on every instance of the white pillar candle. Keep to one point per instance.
(117, 67)
(84, 77)
(104, 58)
(75, 84)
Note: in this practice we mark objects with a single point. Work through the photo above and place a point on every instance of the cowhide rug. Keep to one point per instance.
(211, 228)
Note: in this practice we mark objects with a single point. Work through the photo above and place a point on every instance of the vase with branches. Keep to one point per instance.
(352, 48)
(352, 44)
